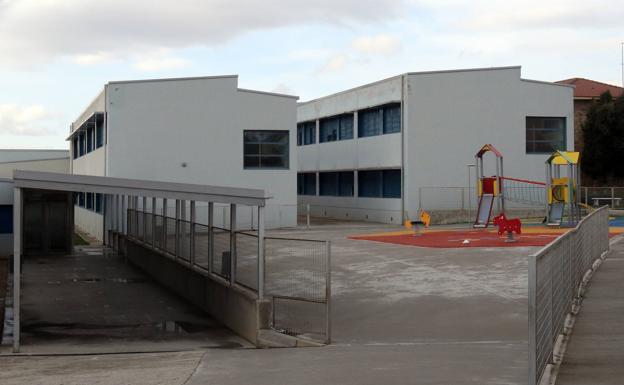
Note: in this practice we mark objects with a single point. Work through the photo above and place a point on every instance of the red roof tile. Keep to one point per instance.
(585, 88)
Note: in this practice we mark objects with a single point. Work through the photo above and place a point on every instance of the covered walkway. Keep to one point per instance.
(63, 291)
(595, 353)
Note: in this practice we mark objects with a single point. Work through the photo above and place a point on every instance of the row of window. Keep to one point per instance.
(371, 183)
(90, 201)
(371, 122)
(90, 138)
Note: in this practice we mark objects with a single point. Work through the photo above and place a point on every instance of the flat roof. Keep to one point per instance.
(428, 73)
(138, 187)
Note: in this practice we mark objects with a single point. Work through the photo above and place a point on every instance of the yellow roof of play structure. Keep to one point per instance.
(563, 157)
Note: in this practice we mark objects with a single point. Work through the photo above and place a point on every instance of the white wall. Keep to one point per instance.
(155, 127)
(50, 165)
(453, 114)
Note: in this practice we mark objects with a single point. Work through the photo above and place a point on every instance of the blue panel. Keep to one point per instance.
(392, 119)
(6, 219)
(346, 127)
(370, 122)
(392, 183)
(329, 130)
(370, 184)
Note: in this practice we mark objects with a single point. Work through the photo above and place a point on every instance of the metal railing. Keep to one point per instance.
(598, 196)
(298, 278)
(296, 271)
(555, 273)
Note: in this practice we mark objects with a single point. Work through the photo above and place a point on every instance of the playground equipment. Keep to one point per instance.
(425, 220)
(488, 188)
(508, 226)
(562, 191)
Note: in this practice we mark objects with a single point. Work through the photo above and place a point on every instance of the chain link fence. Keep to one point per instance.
(555, 273)
(299, 282)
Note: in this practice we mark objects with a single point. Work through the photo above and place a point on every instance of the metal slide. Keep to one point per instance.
(485, 210)
(555, 213)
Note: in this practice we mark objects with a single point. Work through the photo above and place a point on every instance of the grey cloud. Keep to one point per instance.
(32, 31)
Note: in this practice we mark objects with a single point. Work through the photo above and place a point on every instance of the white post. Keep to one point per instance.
(210, 235)
(232, 244)
(153, 223)
(260, 252)
(192, 234)
(17, 267)
(308, 216)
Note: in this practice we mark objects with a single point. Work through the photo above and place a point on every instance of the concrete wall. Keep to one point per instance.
(235, 307)
(447, 117)
(49, 165)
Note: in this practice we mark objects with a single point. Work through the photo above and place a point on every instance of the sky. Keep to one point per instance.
(56, 55)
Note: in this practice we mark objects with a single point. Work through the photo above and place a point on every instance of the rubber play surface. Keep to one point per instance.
(458, 238)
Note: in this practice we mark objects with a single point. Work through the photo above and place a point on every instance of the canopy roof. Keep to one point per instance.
(563, 157)
(486, 148)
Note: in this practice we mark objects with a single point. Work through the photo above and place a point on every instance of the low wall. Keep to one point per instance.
(235, 307)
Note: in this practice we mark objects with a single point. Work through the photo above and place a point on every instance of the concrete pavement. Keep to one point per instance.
(595, 352)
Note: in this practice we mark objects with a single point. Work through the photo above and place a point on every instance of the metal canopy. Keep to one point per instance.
(138, 187)
(89, 120)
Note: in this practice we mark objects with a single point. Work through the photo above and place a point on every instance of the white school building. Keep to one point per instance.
(385, 150)
(202, 130)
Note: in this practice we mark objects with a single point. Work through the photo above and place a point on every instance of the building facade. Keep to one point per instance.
(386, 150)
(189, 130)
(31, 160)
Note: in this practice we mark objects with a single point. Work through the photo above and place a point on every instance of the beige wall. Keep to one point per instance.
(49, 165)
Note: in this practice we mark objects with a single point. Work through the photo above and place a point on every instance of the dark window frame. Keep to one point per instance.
(260, 156)
(6, 224)
(382, 178)
(306, 183)
(532, 144)
(383, 111)
(344, 183)
(344, 123)
(306, 133)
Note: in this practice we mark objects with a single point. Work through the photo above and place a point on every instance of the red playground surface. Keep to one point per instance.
(464, 238)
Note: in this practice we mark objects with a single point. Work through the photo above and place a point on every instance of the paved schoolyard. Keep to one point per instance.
(401, 315)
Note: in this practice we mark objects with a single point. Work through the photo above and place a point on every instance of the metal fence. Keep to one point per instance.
(298, 278)
(598, 196)
(296, 271)
(555, 273)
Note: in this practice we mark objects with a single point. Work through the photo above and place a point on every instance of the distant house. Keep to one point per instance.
(585, 92)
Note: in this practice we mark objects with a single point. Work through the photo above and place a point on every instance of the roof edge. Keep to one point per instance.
(268, 93)
(156, 80)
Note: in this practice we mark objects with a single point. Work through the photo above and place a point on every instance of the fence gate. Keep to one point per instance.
(298, 279)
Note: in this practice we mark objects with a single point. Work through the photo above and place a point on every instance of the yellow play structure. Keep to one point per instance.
(563, 190)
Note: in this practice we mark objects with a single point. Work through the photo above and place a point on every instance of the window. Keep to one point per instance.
(306, 183)
(6, 219)
(379, 120)
(336, 128)
(266, 149)
(75, 147)
(81, 140)
(545, 135)
(99, 203)
(89, 139)
(336, 183)
(306, 133)
(99, 131)
(89, 201)
(81, 199)
(379, 183)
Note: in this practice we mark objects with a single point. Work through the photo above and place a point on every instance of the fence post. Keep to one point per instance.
(532, 319)
(308, 216)
(153, 223)
(192, 235)
(163, 242)
(176, 244)
(612, 197)
(261, 256)
(210, 235)
(232, 243)
(328, 290)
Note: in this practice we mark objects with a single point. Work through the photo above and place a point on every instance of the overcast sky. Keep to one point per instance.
(56, 55)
